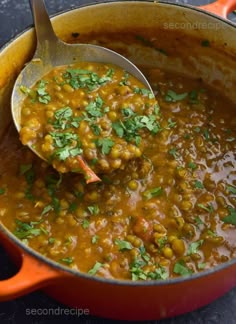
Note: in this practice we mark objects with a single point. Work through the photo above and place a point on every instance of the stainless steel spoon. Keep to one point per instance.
(52, 52)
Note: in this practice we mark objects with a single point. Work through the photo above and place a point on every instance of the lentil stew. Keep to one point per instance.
(171, 212)
(91, 111)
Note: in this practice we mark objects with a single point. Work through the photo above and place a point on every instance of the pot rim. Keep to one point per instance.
(62, 268)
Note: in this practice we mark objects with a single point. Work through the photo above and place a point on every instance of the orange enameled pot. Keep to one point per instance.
(216, 65)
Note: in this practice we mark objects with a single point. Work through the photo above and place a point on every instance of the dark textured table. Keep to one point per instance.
(15, 16)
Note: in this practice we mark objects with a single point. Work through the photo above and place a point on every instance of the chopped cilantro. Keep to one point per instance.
(158, 273)
(79, 78)
(96, 129)
(181, 268)
(94, 108)
(125, 80)
(47, 209)
(43, 96)
(64, 144)
(129, 128)
(209, 208)
(136, 269)
(94, 210)
(173, 152)
(95, 239)
(201, 265)
(69, 240)
(51, 240)
(127, 112)
(187, 136)
(231, 189)
(63, 117)
(43, 230)
(231, 218)
(95, 268)
(211, 233)
(26, 230)
(162, 242)
(105, 144)
(144, 92)
(171, 123)
(198, 184)
(194, 246)
(67, 260)
(192, 165)
(138, 273)
(154, 192)
(172, 96)
(198, 220)
(85, 223)
(29, 92)
(123, 245)
(197, 129)
(63, 139)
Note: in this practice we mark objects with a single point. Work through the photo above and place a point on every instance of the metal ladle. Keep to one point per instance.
(52, 52)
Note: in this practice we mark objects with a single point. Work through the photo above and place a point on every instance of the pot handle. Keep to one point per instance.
(31, 276)
(220, 7)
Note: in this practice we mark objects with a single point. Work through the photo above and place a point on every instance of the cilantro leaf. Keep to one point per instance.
(68, 260)
(95, 239)
(95, 268)
(173, 152)
(94, 108)
(46, 209)
(231, 218)
(26, 230)
(131, 125)
(209, 208)
(105, 144)
(123, 245)
(201, 265)
(43, 96)
(94, 210)
(144, 92)
(198, 220)
(159, 273)
(172, 96)
(181, 268)
(231, 189)
(198, 184)
(154, 192)
(85, 223)
(194, 246)
(118, 128)
(192, 165)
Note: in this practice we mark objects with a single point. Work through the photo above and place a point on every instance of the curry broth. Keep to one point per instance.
(170, 213)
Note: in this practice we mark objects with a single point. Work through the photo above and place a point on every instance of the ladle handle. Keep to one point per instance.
(46, 38)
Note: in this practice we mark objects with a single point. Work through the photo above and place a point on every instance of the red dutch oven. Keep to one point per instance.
(115, 299)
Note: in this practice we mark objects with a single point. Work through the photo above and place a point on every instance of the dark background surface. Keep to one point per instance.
(15, 16)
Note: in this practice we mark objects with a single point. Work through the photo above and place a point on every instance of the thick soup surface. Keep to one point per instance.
(171, 212)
